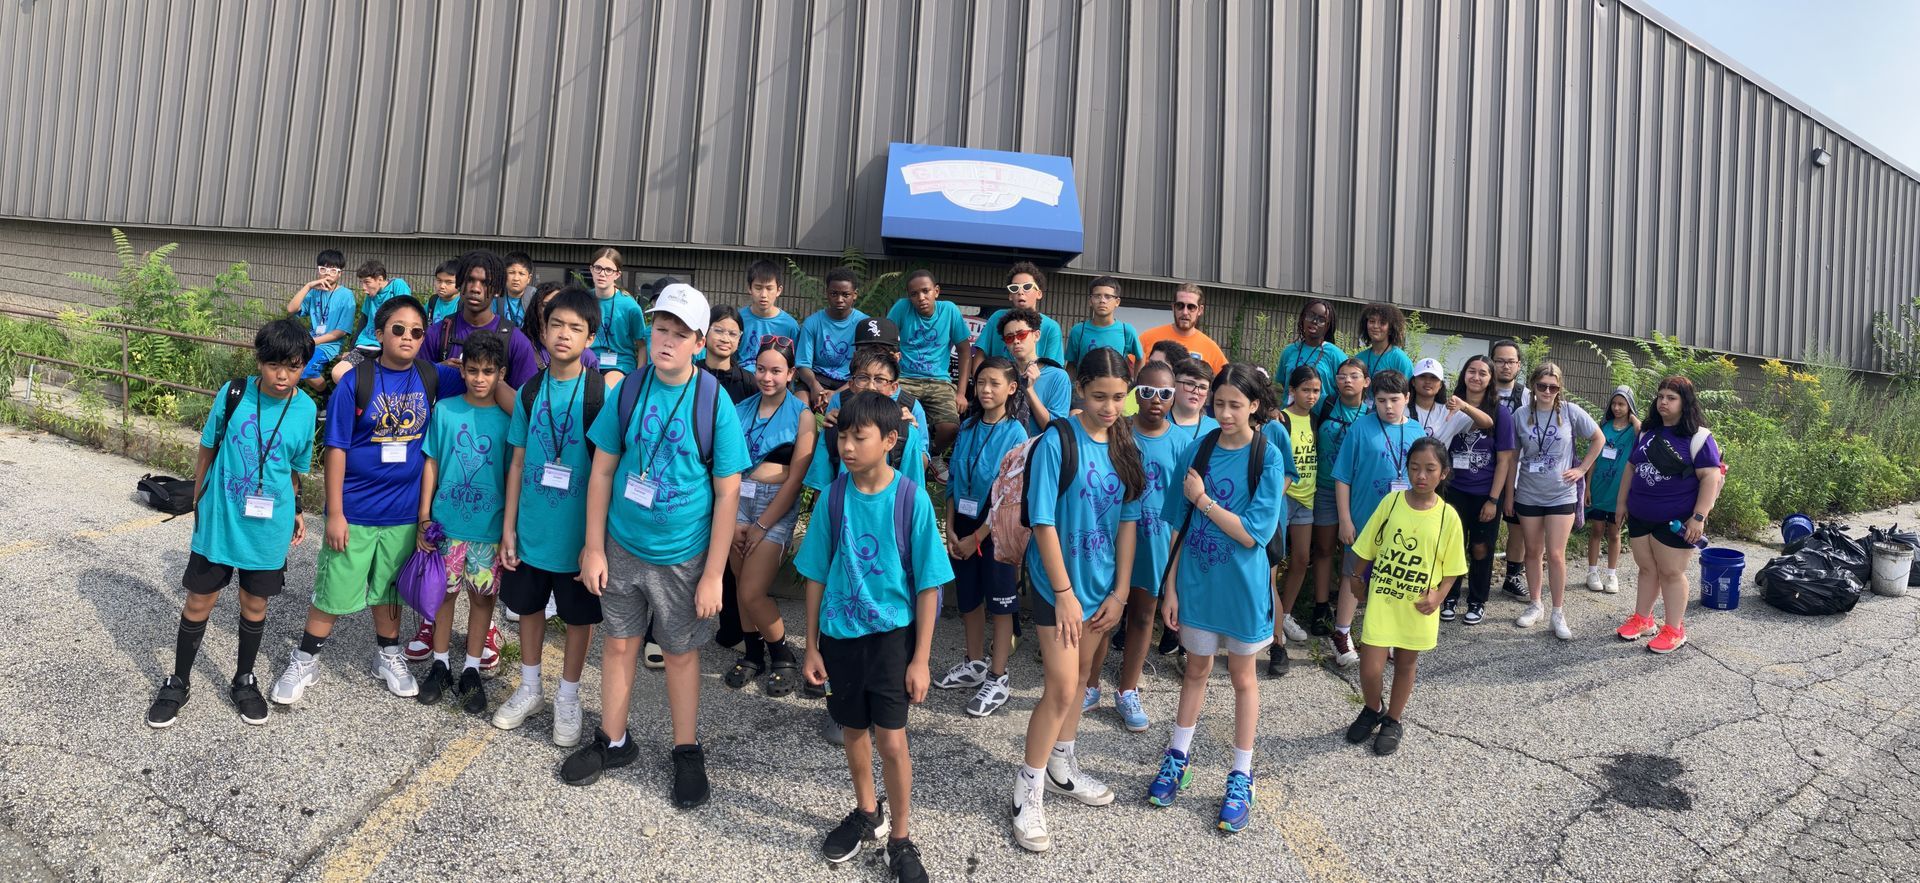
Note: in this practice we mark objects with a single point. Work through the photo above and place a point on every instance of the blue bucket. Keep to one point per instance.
(1720, 572)
(1795, 528)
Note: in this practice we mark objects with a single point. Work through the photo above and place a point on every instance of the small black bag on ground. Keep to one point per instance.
(173, 496)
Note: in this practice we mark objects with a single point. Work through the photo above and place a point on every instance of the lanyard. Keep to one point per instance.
(1541, 439)
(1319, 355)
(758, 427)
(1424, 420)
(1397, 449)
(260, 441)
(647, 469)
(554, 439)
(971, 461)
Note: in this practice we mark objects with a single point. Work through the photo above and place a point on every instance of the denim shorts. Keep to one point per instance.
(752, 507)
(1299, 513)
(1324, 513)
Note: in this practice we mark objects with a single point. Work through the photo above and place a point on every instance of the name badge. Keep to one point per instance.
(556, 476)
(969, 508)
(1462, 461)
(641, 490)
(1609, 453)
(393, 452)
(749, 489)
(1399, 484)
(1536, 466)
(259, 506)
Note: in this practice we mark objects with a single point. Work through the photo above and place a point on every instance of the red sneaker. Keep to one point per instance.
(490, 653)
(1668, 640)
(1637, 627)
(421, 647)
(1344, 654)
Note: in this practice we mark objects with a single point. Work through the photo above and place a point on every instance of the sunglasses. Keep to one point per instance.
(770, 341)
(1546, 387)
(1181, 308)
(1017, 287)
(1012, 337)
(1153, 393)
(416, 332)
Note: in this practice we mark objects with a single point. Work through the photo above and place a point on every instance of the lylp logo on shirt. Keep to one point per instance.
(1102, 491)
(1400, 562)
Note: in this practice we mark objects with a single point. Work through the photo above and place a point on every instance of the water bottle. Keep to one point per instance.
(1680, 527)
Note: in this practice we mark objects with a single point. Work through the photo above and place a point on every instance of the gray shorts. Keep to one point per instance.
(1324, 512)
(751, 508)
(640, 594)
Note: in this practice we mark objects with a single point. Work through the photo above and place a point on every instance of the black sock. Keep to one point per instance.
(780, 652)
(756, 648)
(1513, 568)
(186, 646)
(310, 644)
(385, 641)
(250, 632)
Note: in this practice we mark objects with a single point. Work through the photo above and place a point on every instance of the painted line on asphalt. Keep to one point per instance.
(393, 821)
(1316, 852)
(23, 546)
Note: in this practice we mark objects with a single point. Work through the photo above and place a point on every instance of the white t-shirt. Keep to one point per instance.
(1439, 422)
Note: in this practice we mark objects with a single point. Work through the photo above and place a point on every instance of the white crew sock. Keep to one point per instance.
(569, 689)
(1183, 739)
(530, 678)
(1243, 760)
(473, 662)
(443, 658)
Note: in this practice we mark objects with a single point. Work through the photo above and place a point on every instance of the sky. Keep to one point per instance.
(1857, 61)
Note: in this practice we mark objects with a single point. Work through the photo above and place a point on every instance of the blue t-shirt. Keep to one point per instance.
(1331, 435)
(1153, 536)
(1085, 337)
(1275, 431)
(514, 308)
(552, 524)
(865, 591)
(1225, 587)
(753, 329)
(1324, 359)
(222, 533)
(394, 288)
(1372, 460)
(1473, 453)
(1185, 435)
(468, 446)
(763, 434)
(919, 413)
(1051, 347)
(1088, 519)
(913, 459)
(659, 447)
(522, 361)
(621, 341)
(1394, 359)
(927, 342)
(441, 309)
(977, 452)
(327, 312)
(374, 492)
(1056, 392)
(826, 345)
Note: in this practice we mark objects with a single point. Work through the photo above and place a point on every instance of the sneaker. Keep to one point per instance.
(1594, 583)
(1530, 617)
(1064, 776)
(965, 674)
(473, 694)
(993, 693)
(1171, 780)
(1559, 621)
(521, 704)
(296, 678)
(1322, 624)
(1090, 699)
(566, 721)
(690, 788)
(845, 840)
(654, 658)
(1237, 809)
(247, 699)
(1344, 654)
(1029, 817)
(584, 767)
(392, 668)
(832, 731)
(1612, 583)
(903, 859)
(1389, 739)
(1447, 611)
(490, 651)
(1132, 716)
(937, 472)
(1292, 629)
(511, 616)
(1668, 640)
(1169, 642)
(1474, 615)
(1364, 725)
(1637, 627)
(1277, 661)
(420, 649)
(1515, 585)
(438, 681)
(166, 703)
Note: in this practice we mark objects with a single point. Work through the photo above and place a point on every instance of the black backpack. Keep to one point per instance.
(1069, 465)
(1256, 464)
(506, 331)
(591, 400)
(173, 496)
(363, 384)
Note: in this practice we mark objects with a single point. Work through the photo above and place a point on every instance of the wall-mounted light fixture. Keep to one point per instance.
(1821, 157)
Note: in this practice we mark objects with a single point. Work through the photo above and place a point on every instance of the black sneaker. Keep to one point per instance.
(1389, 739)
(1447, 612)
(584, 767)
(903, 859)
(844, 841)
(472, 692)
(248, 701)
(1363, 726)
(1322, 623)
(167, 702)
(1169, 641)
(438, 681)
(1277, 661)
(690, 788)
(1475, 613)
(1515, 585)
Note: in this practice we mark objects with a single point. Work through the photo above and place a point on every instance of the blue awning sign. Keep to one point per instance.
(980, 202)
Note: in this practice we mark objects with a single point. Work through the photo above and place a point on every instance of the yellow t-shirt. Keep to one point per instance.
(1412, 552)
(1306, 456)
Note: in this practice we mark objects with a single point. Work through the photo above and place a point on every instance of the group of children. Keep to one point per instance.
(635, 470)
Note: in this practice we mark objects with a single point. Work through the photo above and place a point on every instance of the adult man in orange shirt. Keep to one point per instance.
(1185, 329)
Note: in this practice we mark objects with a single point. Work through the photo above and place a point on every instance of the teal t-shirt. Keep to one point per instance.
(753, 329)
(1224, 586)
(1088, 519)
(927, 342)
(1372, 460)
(1086, 337)
(1056, 392)
(394, 288)
(1153, 536)
(658, 450)
(468, 447)
(865, 591)
(1324, 359)
(1394, 359)
(1186, 434)
(1330, 434)
(327, 312)
(282, 429)
(553, 520)
(1051, 347)
(1607, 471)
(826, 345)
(441, 309)
(913, 459)
(621, 340)
(977, 451)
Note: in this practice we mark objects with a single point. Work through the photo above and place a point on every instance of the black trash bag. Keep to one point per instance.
(1840, 550)
(1810, 582)
(1906, 538)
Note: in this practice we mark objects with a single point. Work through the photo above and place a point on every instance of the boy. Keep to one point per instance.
(1048, 390)
(328, 308)
(873, 371)
(483, 276)
(880, 334)
(863, 636)
(547, 488)
(1025, 287)
(665, 488)
(446, 291)
(462, 490)
(378, 288)
(1372, 463)
(1103, 297)
(931, 330)
(376, 425)
(762, 317)
(252, 517)
(513, 301)
(826, 340)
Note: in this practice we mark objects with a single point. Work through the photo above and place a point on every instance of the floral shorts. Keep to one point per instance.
(474, 567)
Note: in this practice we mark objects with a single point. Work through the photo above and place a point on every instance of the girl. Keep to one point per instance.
(984, 587)
(779, 435)
(1082, 545)
(1542, 494)
(1314, 348)
(1482, 460)
(1220, 594)
(623, 326)
(721, 357)
(1442, 417)
(1412, 548)
(1386, 331)
(1331, 419)
(1621, 428)
(1677, 475)
(1296, 425)
(1372, 464)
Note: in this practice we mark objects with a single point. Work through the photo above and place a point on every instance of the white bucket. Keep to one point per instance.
(1892, 565)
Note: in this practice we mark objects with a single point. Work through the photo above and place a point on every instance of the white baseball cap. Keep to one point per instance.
(683, 302)
(1430, 367)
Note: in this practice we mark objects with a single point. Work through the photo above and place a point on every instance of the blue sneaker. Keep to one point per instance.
(1127, 702)
(1237, 809)
(1091, 699)
(1172, 780)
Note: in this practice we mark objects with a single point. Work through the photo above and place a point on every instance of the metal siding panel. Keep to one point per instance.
(1517, 165)
(193, 113)
(882, 113)
(1241, 226)
(823, 212)
(1446, 223)
(566, 196)
(1486, 161)
(1773, 250)
(150, 120)
(484, 128)
(1047, 92)
(1198, 119)
(403, 163)
(666, 185)
(1410, 282)
(15, 28)
(282, 72)
(1586, 228)
(56, 59)
(1099, 143)
(126, 126)
(1676, 136)
(1549, 145)
(1291, 137)
(347, 165)
(1726, 165)
(1147, 201)
(69, 185)
(778, 107)
(99, 140)
(943, 44)
(221, 113)
(251, 114)
(1629, 202)
(1336, 81)
(1745, 186)
(1697, 308)
(529, 128)
(720, 134)
(993, 77)
(1374, 138)
(320, 48)
(442, 183)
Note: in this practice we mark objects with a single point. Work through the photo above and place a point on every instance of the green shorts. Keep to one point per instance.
(936, 398)
(362, 576)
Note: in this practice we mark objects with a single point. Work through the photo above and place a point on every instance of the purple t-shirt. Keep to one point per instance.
(1660, 498)
(1473, 453)
(522, 361)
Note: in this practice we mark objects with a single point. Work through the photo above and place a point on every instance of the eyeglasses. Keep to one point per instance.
(600, 269)
(870, 379)
(1506, 361)
(1315, 319)
(1013, 337)
(1017, 287)
(1103, 296)
(326, 270)
(1546, 387)
(1181, 308)
(1154, 393)
(416, 332)
(723, 334)
(1195, 386)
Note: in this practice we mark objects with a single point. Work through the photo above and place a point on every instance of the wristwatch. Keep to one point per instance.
(1700, 518)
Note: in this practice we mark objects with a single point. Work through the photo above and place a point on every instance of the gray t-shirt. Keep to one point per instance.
(1546, 450)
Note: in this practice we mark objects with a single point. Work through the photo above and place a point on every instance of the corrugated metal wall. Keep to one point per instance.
(1572, 165)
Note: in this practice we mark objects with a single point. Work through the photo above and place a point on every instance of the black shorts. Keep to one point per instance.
(203, 577)
(868, 675)
(1525, 511)
(983, 580)
(525, 591)
(1661, 533)
(1601, 516)
(360, 354)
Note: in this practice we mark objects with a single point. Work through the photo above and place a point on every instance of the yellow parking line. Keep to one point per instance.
(393, 820)
(17, 547)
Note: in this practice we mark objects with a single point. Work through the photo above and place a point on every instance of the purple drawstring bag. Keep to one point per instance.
(423, 580)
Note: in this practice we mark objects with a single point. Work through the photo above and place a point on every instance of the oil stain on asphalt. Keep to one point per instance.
(1646, 781)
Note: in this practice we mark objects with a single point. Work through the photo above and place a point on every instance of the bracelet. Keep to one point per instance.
(763, 528)
(1066, 591)
(1210, 504)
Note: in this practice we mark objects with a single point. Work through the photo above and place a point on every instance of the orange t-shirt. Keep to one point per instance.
(1196, 342)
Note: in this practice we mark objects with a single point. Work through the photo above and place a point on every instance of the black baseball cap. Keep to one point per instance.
(876, 330)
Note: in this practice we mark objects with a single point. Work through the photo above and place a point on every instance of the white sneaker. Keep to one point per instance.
(553, 607)
(511, 616)
(1560, 629)
(1292, 629)
(1064, 776)
(1612, 583)
(1029, 817)
(652, 657)
(993, 693)
(1530, 617)
(969, 673)
(1594, 583)
(566, 721)
(522, 704)
(392, 668)
(298, 676)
